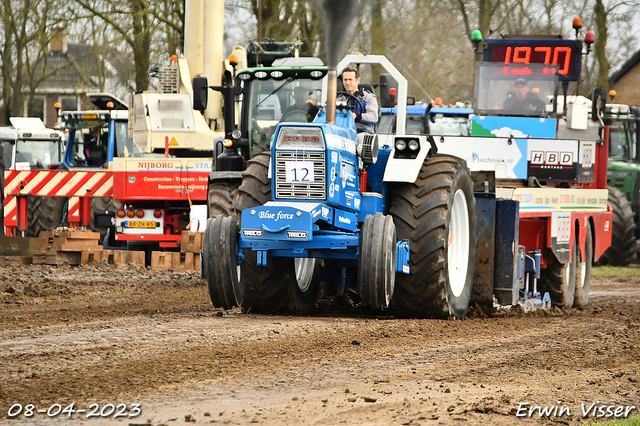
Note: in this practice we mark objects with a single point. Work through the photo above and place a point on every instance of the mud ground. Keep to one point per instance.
(123, 335)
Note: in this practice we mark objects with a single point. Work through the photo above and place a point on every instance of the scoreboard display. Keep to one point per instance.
(561, 56)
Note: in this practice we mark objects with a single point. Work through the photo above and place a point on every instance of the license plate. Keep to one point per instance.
(140, 224)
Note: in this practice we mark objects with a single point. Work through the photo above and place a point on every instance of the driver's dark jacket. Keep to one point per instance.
(369, 102)
(531, 102)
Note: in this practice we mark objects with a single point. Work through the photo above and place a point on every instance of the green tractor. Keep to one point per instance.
(624, 183)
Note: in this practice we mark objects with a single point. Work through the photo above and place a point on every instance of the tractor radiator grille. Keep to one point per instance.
(316, 190)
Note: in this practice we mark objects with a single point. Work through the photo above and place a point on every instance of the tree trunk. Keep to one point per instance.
(600, 44)
(142, 42)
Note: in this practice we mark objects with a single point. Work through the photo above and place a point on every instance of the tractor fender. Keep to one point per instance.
(406, 169)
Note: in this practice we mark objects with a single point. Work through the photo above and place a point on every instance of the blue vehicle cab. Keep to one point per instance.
(428, 119)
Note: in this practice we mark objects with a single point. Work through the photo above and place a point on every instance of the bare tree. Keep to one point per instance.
(134, 24)
(276, 18)
(24, 31)
(310, 28)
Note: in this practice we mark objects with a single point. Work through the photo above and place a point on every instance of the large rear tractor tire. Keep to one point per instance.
(559, 280)
(436, 214)
(261, 289)
(45, 213)
(219, 249)
(377, 261)
(624, 244)
(583, 271)
(220, 198)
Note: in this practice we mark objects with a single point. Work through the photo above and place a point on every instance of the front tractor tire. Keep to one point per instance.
(306, 287)
(266, 289)
(219, 203)
(377, 261)
(219, 254)
(436, 213)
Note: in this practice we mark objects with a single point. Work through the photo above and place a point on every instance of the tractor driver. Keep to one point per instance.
(300, 105)
(521, 99)
(366, 118)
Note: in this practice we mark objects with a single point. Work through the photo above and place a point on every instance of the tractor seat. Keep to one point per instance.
(97, 155)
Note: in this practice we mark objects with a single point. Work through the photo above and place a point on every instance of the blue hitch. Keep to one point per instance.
(239, 256)
(402, 257)
(261, 258)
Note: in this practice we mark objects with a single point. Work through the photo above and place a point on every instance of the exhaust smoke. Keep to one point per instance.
(338, 15)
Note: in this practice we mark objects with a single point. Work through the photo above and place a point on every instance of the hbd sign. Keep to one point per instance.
(553, 159)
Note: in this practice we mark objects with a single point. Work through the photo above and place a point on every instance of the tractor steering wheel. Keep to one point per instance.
(297, 115)
(350, 96)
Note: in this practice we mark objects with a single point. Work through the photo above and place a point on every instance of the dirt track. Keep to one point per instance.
(123, 335)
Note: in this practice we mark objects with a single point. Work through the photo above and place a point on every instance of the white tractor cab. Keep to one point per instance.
(29, 145)
(97, 136)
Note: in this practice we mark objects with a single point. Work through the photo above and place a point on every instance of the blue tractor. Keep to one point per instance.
(395, 223)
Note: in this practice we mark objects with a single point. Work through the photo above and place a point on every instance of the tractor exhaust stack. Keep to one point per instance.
(332, 87)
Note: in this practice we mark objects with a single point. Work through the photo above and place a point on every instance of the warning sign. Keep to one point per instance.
(173, 142)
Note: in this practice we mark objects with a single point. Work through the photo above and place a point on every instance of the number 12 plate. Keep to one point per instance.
(299, 171)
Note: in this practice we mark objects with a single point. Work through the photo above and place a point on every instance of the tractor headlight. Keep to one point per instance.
(407, 147)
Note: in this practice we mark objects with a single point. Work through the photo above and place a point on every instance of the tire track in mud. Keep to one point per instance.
(120, 353)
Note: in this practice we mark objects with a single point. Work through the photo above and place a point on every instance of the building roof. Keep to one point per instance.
(625, 68)
(73, 69)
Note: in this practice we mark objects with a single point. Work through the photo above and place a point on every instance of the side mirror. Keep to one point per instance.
(387, 82)
(200, 93)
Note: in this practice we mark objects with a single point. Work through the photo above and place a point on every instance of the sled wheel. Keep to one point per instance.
(560, 279)
(377, 261)
(583, 271)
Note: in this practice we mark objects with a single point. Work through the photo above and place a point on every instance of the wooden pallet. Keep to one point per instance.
(15, 260)
(175, 261)
(67, 240)
(112, 257)
(191, 242)
(56, 257)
